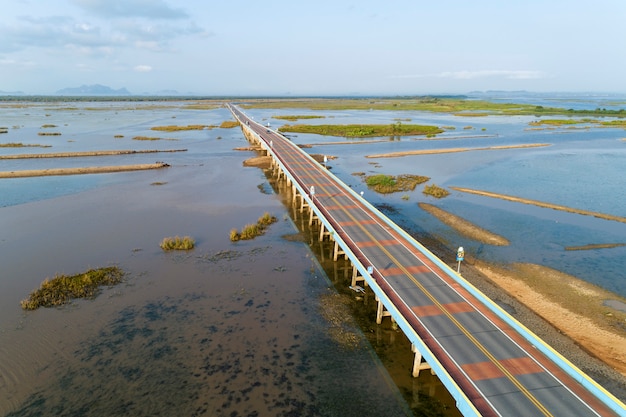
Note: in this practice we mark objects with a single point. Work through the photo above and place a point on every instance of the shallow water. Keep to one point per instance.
(225, 329)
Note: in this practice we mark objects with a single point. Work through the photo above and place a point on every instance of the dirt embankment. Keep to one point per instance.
(79, 171)
(82, 154)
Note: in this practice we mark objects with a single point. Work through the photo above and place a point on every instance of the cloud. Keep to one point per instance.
(150, 9)
(85, 37)
(143, 68)
(49, 32)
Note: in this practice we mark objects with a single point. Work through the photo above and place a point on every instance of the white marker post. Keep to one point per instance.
(460, 255)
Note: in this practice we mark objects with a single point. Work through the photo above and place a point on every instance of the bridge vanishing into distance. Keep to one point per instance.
(490, 363)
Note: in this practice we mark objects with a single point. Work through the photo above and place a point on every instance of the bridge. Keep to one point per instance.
(490, 363)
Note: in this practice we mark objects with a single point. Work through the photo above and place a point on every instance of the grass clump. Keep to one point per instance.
(174, 128)
(250, 231)
(386, 184)
(177, 243)
(49, 133)
(62, 288)
(22, 145)
(228, 124)
(435, 191)
(298, 117)
(145, 138)
(47, 126)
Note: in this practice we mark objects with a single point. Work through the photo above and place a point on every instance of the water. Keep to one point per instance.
(236, 329)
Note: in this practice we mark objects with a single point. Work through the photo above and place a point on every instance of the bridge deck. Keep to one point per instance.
(497, 370)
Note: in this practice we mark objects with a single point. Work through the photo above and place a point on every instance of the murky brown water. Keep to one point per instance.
(223, 330)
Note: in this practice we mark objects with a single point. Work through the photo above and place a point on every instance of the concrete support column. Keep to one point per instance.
(357, 277)
(381, 311)
(418, 363)
(337, 251)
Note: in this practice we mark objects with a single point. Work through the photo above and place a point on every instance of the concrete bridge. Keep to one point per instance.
(490, 363)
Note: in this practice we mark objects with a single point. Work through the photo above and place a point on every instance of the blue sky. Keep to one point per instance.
(325, 47)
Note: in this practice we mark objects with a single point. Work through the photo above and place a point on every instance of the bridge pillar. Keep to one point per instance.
(418, 362)
(357, 277)
(381, 311)
(313, 217)
(337, 251)
(324, 232)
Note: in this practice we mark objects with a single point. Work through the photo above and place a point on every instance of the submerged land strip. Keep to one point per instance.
(542, 204)
(86, 153)
(453, 150)
(79, 171)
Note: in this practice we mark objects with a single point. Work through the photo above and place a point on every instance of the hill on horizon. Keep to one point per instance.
(94, 89)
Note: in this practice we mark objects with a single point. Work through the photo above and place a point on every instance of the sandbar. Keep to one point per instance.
(542, 204)
(86, 153)
(465, 227)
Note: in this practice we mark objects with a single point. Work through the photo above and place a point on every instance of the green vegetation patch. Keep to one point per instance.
(62, 288)
(363, 131)
(386, 184)
(250, 231)
(49, 133)
(174, 128)
(48, 126)
(293, 118)
(177, 243)
(435, 191)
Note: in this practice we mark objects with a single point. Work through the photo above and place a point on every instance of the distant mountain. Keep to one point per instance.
(95, 89)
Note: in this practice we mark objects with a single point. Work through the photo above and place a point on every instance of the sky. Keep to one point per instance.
(313, 48)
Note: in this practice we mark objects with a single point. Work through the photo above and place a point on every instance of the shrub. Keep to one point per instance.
(435, 191)
(250, 231)
(177, 243)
